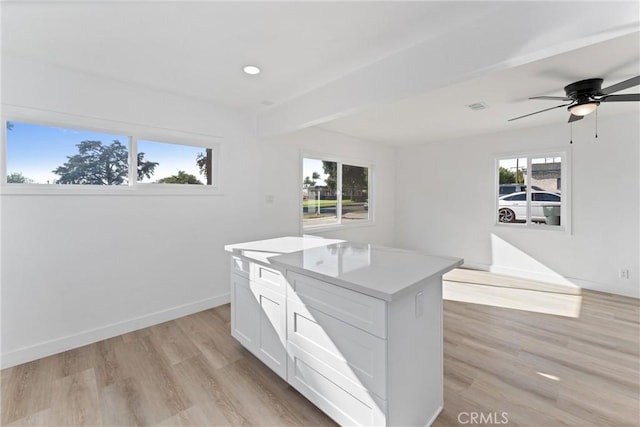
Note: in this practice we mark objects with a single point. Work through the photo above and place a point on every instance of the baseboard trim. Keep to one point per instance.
(524, 274)
(630, 290)
(435, 416)
(48, 348)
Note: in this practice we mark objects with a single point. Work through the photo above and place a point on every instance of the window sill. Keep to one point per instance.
(333, 227)
(532, 227)
(96, 190)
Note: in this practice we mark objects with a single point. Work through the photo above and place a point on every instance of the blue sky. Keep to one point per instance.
(171, 158)
(35, 151)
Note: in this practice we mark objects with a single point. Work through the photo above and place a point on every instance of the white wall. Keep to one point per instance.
(80, 268)
(445, 204)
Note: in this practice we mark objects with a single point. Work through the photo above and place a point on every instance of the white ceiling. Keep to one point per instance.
(443, 113)
(197, 49)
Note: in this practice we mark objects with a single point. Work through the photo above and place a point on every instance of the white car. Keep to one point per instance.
(513, 207)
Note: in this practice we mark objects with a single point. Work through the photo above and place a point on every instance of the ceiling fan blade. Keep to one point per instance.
(541, 111)
(621, 98)
(552, 98)
(574, 118)
(633, 81)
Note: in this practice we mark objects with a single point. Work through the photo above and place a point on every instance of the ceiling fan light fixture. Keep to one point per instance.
(252, 70)
(584, 108)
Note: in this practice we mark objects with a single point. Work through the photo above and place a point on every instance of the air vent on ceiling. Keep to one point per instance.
(476, 106)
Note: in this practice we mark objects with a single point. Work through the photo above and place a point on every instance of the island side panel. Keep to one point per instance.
(415, 355)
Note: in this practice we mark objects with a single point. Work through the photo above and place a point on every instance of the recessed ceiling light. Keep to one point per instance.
(251, 69)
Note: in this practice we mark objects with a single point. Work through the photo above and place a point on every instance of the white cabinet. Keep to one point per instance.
(363, 360)
(363, 343)
(258, 312)
(337, 366)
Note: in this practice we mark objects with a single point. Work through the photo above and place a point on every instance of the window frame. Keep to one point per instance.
(310, 229)
(133, 133)
(565, 200)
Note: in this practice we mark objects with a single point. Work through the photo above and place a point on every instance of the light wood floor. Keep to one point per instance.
(544, 369)
(539, 369)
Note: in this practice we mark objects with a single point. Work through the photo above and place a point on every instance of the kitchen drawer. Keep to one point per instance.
(360, 310)
(307, 375)
(269, 277)
(351, 353)
(240, 266)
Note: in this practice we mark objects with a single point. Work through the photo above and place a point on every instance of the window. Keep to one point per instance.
(334, 193)
(355, 193)
(164, 163)
(529, 191)
(41, 154)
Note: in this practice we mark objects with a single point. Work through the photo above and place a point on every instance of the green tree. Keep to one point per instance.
(9, 125)
(307, 182)
(100, 164)
(355, 182)
(355, 179)
(331, 169)
(311, 182)
(181, 178)
(145, 169)
(509, 177)
(18, 178)
(205, 164)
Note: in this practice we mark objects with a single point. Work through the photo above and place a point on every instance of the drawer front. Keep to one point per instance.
(306, 374)
(240, 266)
(360, 310)
(358, 356)
(269, 277)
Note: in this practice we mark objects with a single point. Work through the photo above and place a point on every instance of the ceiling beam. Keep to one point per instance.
(508, 34)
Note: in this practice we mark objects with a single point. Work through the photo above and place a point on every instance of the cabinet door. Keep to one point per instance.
(245, 312)
(272, 329)
(258, 322)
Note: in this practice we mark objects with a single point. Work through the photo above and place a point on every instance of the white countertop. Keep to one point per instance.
(377, 271)
(263, 250)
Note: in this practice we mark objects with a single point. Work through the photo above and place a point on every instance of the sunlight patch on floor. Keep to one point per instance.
(518, 299)
(551, 377)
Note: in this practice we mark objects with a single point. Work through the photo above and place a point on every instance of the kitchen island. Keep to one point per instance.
(356, 328)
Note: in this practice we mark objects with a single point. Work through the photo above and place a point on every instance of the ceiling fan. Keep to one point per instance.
(586, 95)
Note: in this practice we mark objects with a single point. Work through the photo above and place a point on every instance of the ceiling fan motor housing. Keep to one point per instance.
(584, 89)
